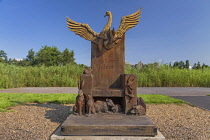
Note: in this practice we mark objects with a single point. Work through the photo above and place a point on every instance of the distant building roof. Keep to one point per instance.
(127, 63)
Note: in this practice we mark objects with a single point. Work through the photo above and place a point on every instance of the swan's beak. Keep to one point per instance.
(105, 15)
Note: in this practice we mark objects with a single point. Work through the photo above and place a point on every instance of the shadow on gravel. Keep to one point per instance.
(57, 113)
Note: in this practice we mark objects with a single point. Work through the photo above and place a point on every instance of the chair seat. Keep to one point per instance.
(108, 92)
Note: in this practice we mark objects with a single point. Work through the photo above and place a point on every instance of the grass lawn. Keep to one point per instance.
(12, 99)
(159, 99)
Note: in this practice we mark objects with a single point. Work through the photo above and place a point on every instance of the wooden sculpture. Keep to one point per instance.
(108, 37)
(107, 88)
(107, 102)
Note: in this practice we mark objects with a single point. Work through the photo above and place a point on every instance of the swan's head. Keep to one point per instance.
(108, 13)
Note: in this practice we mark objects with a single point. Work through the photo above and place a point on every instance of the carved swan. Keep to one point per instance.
(107, 38)
(109, 23)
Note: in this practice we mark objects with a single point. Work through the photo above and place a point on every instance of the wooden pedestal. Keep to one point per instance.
(108, 125)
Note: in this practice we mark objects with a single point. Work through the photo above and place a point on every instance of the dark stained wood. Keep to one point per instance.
(88, 83)
(129, 102)
(108, 92)
(108, 124)
(108, 65)
(107, 89)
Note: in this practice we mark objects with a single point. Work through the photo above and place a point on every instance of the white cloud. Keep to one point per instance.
(18, 59)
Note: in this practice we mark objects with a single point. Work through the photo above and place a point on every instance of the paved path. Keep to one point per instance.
(169, 91)
(175, 91)
(199, 101)
(41, 90)
(194, 95)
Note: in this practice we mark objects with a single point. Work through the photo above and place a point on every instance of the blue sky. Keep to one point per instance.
(169, 30)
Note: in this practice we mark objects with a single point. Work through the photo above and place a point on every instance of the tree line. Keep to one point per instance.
(176, 64)
(48, 56)
(186, 64)
(51, 56)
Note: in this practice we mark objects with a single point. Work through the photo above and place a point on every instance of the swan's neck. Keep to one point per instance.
(108, 25)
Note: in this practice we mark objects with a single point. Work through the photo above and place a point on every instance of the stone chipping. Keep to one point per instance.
(38, 121)
(181, 122)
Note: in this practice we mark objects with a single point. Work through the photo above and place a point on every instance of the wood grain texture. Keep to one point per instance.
(108, 65)
(88, 83)
(108, 124)
(129, 102)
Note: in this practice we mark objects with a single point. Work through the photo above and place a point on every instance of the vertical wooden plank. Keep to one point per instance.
(130, 86)
(88, 83)
(108, 65)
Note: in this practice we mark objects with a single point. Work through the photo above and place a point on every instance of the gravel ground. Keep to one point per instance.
(38, 121)
(181, 122)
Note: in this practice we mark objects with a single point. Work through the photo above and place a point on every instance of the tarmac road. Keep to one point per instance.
(169, 91)
(194, 95)
(175, 91)
(199, 101)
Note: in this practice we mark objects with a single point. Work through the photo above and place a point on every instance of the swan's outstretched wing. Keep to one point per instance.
(128, 22)
(81, 29)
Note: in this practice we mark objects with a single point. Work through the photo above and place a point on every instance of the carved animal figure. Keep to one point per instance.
(79, 107)
(141, 102)
(90, 105)
(103, 106)
(131, 84)
(109, 23)
(107, 37)
(138, 110)
(74, 108)
(115, 108)
(87, 70)
(109, 102)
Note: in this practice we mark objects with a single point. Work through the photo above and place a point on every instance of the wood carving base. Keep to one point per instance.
(108, 125)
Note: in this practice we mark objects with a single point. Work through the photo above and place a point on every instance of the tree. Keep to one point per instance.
(181, 65)
(30, 58)
(194, 66)
(176, 64)
(204, 66)
(170, 65)
(31, 55)
(48, 56)
(187, 65)
(12, 61)
(23, 62)
(198, 65)
(67, 57)
(3, 55)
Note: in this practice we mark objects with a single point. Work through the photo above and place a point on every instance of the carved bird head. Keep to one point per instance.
(108, 13)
